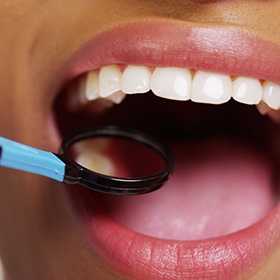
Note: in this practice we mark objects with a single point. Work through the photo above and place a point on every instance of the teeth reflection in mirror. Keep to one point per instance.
(136, 79)
(92, 86)
(91, 155)
(271, 95)
(247, 90)
(95, 145)
(172, 83)
(211, 88)
(109, 80)
(97, 162)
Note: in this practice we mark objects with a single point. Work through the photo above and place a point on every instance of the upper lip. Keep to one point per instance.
(227, 50)
(217, 49)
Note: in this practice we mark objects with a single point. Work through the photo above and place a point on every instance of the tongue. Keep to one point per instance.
(218, 187)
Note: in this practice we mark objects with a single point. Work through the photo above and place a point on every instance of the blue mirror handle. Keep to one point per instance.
(18, 156)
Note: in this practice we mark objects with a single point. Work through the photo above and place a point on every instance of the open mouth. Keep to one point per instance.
(227, 156)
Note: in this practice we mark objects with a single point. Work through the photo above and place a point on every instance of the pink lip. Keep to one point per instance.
(216, 49)
(144, 257)
(226, 50)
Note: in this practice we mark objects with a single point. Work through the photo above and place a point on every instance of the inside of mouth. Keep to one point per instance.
(225, 174)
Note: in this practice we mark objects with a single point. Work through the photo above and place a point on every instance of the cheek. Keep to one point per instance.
(20, 201)
(17, 211)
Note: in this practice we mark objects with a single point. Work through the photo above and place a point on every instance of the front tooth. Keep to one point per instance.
(109, 80)
(271, 95)
(136, 79)
(211, 88)
(92, 86)
(247, 90)
(172, 83)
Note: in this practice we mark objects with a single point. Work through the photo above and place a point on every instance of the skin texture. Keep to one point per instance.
(39, 239)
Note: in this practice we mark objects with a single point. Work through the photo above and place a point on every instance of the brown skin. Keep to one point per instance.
(38, 237)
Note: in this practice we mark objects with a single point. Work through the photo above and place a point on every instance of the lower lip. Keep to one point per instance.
(144, 257)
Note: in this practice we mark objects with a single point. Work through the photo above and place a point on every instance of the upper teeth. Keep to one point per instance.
(177, 84)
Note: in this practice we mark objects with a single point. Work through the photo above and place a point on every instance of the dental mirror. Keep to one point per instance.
(108, 159)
